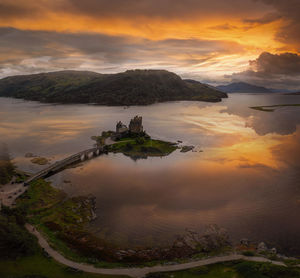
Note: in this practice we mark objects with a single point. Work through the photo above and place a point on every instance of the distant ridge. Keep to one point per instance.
(243, 87)
(133, 87)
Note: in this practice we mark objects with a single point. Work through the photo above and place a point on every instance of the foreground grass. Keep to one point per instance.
(237, 269)
(59, 219)
(271, 108)
(38, 266)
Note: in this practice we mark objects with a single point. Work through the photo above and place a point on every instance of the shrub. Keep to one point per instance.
(248, 253)
(249, 270)
(15, 241)
(140, 140)
(265, 270)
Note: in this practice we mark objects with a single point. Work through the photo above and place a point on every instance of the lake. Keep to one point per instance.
(244, 175)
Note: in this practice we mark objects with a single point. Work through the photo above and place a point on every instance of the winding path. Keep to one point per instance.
(139, 272)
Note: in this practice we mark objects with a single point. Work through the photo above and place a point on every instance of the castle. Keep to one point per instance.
(135, 125)
(135, 128)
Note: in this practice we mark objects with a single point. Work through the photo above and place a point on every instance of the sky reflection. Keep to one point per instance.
(246, 179)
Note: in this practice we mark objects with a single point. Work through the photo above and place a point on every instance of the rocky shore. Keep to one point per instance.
(185, 245)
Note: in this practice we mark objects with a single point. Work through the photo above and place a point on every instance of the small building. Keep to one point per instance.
(121, 131)
(135, 125)
(121, 128)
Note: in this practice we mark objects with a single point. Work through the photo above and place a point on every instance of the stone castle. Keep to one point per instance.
(135, 128)
(135, 125)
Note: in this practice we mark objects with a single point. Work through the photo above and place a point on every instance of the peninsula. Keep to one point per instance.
(133, 87)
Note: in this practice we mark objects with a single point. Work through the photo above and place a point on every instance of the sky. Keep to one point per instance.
(215, 41)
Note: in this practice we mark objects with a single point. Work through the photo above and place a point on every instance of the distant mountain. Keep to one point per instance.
(242, 87)
(133, 87)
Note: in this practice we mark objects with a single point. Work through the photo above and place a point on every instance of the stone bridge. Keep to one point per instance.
(60, 165)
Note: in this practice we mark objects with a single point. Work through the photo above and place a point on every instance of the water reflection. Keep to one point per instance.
(283, 121)
(247, 179)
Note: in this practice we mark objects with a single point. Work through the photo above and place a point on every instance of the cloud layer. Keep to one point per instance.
(210, 41)
(34, 51)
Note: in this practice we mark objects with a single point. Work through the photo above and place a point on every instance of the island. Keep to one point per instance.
(133, 87)
(272, 108)
(133, 141)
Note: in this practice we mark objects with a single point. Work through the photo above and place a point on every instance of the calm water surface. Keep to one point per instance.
(247, 179)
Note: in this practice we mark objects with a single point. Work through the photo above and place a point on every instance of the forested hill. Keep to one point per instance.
(133, 87)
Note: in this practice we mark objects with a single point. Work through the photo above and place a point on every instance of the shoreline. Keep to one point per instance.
(141, 272)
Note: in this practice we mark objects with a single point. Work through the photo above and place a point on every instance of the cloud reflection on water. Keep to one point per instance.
(245, 180)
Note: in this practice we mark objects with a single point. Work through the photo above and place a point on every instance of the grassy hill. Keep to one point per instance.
(133, 87)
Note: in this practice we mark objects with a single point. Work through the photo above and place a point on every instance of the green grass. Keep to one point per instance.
(143, 147)
(40, 196)
(211, 271)
(235, 269)
(61, 220)
(272, 108)
(39, 266)
(73, 254)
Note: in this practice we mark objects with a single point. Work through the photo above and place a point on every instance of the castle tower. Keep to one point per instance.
(135, 125)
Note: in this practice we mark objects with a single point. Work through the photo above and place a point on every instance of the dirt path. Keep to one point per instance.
(139, 272)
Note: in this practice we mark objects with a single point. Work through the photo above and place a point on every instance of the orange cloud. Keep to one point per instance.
(244, 28)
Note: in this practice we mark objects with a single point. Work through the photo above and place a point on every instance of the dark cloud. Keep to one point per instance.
(289, 11)
(280, 71)
(11, 10)
(285, 63)
(267, 18)
(162, 9)
(257, 166)
(166, 9)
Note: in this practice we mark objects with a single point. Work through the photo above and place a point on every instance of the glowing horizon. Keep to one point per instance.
(211, 42)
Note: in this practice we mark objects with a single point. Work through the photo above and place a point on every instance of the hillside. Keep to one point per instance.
(242, 87)
(134, 87)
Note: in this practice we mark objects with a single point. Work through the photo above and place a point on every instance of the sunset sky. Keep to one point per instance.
(215, 41)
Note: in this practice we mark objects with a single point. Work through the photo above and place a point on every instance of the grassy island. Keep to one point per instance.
(133, 141)
(272, 108)
(142, 147)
